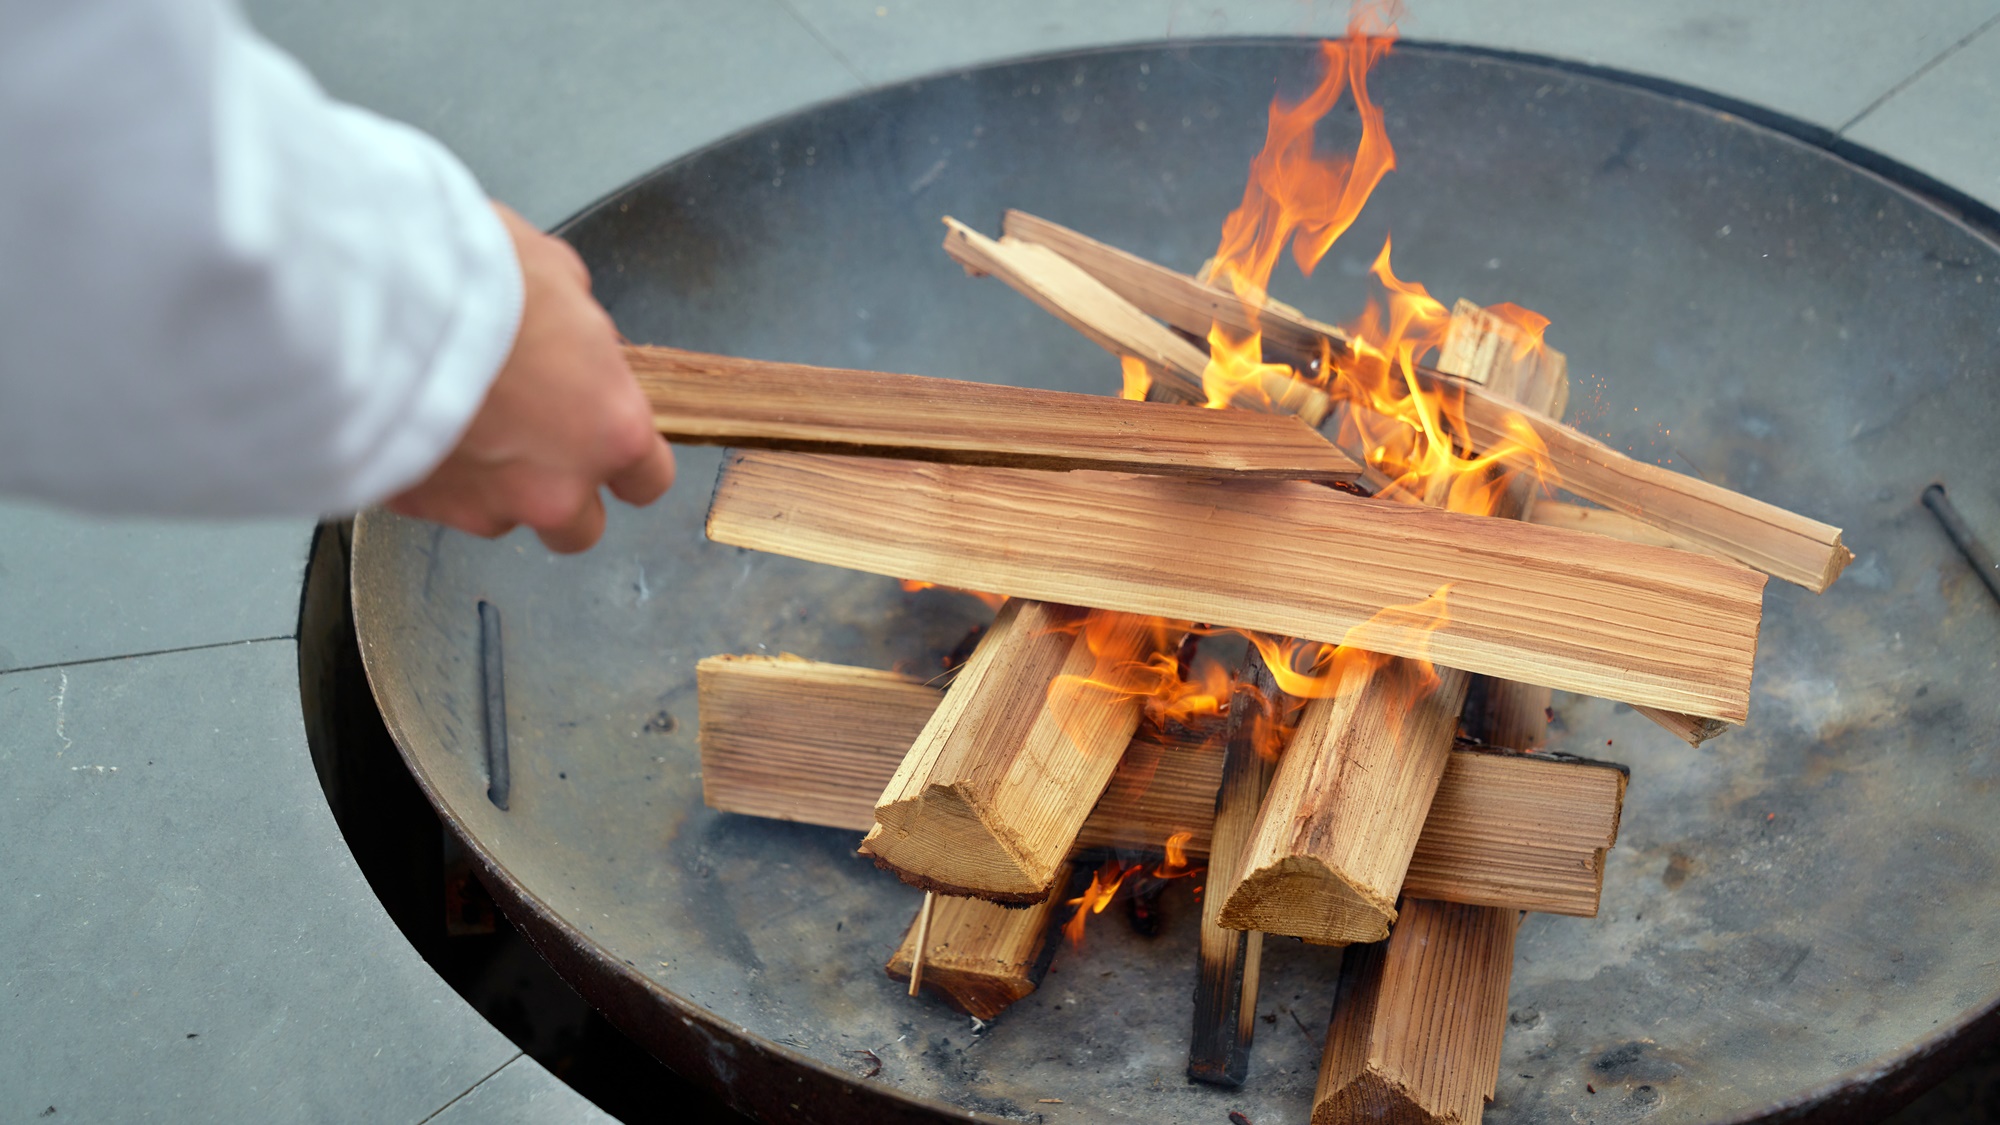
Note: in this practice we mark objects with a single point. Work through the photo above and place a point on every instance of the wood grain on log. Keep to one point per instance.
(980, 957)
(1781, 543)
(988, 800)
(815, 744)
(1577, 612)
(703, 399)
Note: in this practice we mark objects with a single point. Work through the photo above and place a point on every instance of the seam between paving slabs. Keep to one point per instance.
(87, 661)
(461, 1095)
(1918, 73)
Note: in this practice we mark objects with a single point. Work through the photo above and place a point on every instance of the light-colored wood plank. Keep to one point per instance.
(1175, 297)
(1116, 325)
(1417, 1024)
(1576, 612)
(706, 399)
(1781, 543)
(989, 798)
(1604, 521)
(816, 744)
(981, 957)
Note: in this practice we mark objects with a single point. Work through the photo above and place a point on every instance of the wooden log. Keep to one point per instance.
(1783, 544)
(1228, 968)
(1577, 612)
(815, 744)
(705, 399)
(1182, 301)
(1417, 1023)
(1338, 828)
(1604, 521)
(1116, 325)
(980, 957)
(989, 798)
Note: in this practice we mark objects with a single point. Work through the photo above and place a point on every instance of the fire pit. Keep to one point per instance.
(1799, 916)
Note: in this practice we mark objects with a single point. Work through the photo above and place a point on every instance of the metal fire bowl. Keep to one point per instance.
(1801, 920)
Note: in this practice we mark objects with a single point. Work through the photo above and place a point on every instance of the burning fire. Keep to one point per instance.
(1107, 880)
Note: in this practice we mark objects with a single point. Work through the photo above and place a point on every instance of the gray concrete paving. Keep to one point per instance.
(78, 588)
(1946, 121)
(522, 1093)
(184, 934)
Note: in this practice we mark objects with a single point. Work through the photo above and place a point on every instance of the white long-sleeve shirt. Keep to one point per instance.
(222, 293)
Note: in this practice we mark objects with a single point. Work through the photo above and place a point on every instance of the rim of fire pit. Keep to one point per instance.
(777, 1082)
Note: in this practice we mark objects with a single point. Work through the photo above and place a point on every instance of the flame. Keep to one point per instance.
(1142, 663)
(913, 585)
(1114, 875)
(1138, 380)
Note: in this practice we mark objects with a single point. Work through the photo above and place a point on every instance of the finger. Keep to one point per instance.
(646, 479)
(580, 533)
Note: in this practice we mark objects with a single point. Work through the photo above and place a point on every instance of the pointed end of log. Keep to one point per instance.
(1375, 1097)
(1303, 898)
(954, 852)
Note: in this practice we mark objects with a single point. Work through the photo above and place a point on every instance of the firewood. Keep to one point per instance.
(1116, 325)
(1577, 612)
(1337, 830)
(704, 399)
(1604, 521)
(988, 800)
(815, 744)
(1182, 301)
(1228, 969)
(1417, 1022)
(1781, 543)
(980, 957)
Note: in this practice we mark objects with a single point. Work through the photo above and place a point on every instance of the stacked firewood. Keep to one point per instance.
(1388, 797)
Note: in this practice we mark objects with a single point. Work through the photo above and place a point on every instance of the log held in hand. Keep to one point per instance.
(989, 798)
(815, 743)
(722, 400)
(1577, 612)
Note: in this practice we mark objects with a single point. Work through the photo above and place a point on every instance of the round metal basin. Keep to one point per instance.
(1801, 919)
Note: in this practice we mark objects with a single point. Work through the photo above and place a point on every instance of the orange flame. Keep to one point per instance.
(1138, 380)
(913, 585)
(1108, 880)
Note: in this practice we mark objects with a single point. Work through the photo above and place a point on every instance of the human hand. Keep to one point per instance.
(563, 417)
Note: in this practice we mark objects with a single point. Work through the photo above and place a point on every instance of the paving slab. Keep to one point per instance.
(553, 105)
(1946, 123)
(522, 1093)
(76, 587)
(1820, 60)
(184, 934)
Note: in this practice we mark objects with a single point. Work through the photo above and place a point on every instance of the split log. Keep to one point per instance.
(980, 957)
(988, 800)
(815, 744)
(1227, 975)
(1337, 830)
(1781, 543)
(1116, 325)
(1604, 521)
(704, 399)
(1576, 612)
(1418, 1019)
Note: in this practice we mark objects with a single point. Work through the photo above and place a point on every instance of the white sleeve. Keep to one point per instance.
(222, 293)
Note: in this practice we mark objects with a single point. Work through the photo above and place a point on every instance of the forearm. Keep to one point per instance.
(220, 292)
